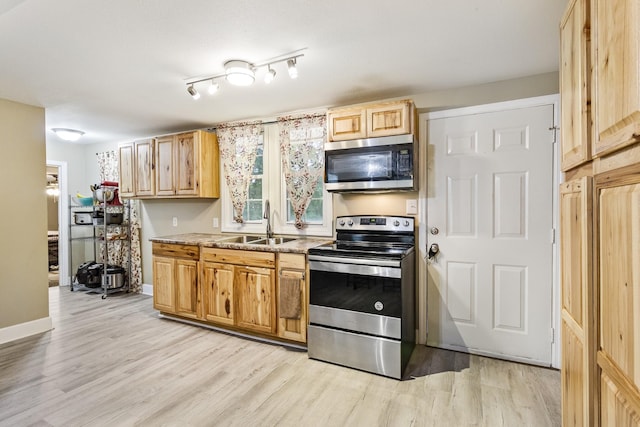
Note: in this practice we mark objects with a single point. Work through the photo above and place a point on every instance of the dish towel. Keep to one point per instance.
(289, 301)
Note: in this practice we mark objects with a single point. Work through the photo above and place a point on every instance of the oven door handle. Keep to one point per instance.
(361, 261)
(362, 268)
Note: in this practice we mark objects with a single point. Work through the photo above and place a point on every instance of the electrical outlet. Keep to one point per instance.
(215, 223)
(412, 207)
(175, 221)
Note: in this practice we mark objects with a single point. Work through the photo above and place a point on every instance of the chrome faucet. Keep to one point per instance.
(267, 216)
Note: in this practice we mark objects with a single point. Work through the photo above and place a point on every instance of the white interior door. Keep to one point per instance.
(490, 195)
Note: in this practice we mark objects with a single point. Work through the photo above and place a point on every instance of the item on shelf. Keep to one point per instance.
(82, 200)
(89, 274)
(113, 218)
(82, 217)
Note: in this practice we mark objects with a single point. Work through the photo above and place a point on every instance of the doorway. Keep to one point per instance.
(57, 222)
(492, 287)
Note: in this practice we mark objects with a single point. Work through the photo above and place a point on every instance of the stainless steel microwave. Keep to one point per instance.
(374, 164)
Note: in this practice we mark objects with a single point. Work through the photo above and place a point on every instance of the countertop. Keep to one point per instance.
(299, 245)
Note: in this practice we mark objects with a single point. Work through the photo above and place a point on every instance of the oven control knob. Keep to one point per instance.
(396, 223)
(378, 306)
(406, 222)
(341, 222)
(350, 223)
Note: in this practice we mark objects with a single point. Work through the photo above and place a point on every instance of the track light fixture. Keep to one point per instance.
(193, 92)
(243, 73)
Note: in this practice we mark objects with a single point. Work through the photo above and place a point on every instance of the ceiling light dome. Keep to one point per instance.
(68, 134)
(239, 73)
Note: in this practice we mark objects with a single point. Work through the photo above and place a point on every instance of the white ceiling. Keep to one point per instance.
(116, 69)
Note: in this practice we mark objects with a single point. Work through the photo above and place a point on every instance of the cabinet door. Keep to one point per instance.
(163, 284)
(619, 272)
(615, 409)
(126, 162)
(292, 273)
(186, 284)
(255, 292)
(186, 165)
(347, 124)
(145, 168)
(579, 379)
(165, 185)
(218, 292)
(389, 119)
(574, 85)
(617, 75)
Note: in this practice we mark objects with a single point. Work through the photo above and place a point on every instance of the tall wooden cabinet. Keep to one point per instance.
(600, 213)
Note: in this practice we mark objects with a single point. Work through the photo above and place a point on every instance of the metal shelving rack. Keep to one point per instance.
(100, 234)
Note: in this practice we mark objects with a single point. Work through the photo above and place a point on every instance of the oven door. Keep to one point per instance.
(356, 294)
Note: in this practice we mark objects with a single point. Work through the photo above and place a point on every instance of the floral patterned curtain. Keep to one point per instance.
(302, 141)
(238, 145)
(119, 247)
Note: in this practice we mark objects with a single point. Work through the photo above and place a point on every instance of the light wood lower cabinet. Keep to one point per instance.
(292, 268)
(579, 378)
(217, 283)
(176, 279)
(240, 289)
(255, 298)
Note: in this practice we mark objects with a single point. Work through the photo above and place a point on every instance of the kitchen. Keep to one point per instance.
(197, 216)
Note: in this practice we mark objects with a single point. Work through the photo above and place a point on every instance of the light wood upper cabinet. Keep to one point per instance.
(347, 124)
(144, 168)
(126, 170)
(575, 85)
(616, 74)
(372, 120)
(389, 119)
(165, 166)
(174, 166)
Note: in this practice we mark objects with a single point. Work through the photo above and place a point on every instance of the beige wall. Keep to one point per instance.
(23, 249)
(196, 216)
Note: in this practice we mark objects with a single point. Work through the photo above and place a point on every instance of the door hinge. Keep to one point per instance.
(553, 236)
(554, 131)
(552, 335)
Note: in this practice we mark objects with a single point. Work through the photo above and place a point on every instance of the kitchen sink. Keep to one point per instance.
(272, 241)
(242, 239)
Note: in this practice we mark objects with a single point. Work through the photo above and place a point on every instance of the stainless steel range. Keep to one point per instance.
(362, 295)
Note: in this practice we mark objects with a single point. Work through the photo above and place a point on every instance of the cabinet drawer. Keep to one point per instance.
(176, 250)
(240, 257)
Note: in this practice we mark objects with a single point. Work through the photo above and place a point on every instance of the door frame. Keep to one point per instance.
(423, 199)
(63, 222)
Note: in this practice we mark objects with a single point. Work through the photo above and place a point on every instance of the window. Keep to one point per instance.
(267, 183)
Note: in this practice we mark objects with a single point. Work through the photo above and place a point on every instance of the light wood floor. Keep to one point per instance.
(114, 363)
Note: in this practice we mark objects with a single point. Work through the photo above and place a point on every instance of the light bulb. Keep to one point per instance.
(213, 88)
(293, 71)
(268, 78)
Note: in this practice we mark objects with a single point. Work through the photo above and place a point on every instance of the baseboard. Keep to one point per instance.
(147, 289)
(26, 329)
